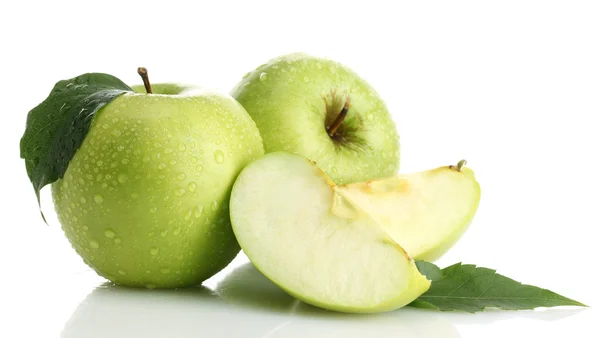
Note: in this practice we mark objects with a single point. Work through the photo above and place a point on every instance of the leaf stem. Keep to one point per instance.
(143, 72)
(459, 165)
(339, 119)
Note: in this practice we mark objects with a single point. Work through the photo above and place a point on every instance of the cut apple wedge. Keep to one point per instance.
(425, 212)
(301, 233)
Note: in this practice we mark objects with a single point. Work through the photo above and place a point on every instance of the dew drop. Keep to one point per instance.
(164, 233)
(154, 251)
(165, 271)
(263, 76)
(94, 244)
(219, 157)
(192, 186)
(82, 200)
(306, 79)
(122, 178)
(177, 231)
(213, 205)
(117, 240)
(109, 233)
(181, 176)
(370, 116)
(182, 147)
(162, 166)
(153, 210)
(194, 159)
(179, 192)
(121, 272)
(198, 211)
(199, 168)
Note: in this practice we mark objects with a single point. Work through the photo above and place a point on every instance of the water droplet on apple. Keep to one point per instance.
(370, 116)
(99, 163)
(199, 168)
(121, 272)
(193, 159)
(154, 251)
(182, 147)
(188, 215)
(85, 228)
(213, 205)
(164, 233)
(177, 231)
(165, 271)
(162, 166)
(192, 186)
(263, 77)
(179, 192)
(246, 75)
(82, 200)
(109, 233)
(198, 211)
(153, 210)
(306, 79)
(117, 240)
(181, 176)
(219, 157)
(94, 244)
(122, 178)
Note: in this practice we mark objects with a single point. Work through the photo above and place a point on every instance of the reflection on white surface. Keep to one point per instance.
(244, 304)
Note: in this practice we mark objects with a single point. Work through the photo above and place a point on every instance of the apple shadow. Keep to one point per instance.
(244, 304)
(115, 311)
(246, 287)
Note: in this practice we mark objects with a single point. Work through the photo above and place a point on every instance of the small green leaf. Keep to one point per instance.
(430, 270)
(56, 127)
(465, 287)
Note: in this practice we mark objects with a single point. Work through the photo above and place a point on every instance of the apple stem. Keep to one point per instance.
(339, 119)
(459, 165)
(143, 72)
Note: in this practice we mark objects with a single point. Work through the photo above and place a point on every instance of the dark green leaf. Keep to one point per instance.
(465, 287)
(430, 270)
(56, 127)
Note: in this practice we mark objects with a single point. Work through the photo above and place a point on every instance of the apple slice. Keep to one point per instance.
(301, 233)
(425, 212)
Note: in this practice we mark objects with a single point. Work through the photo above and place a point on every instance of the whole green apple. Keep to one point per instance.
(324, 111)
(144, 200)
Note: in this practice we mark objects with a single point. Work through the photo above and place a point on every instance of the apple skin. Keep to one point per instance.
(294, 97)
(145, 200)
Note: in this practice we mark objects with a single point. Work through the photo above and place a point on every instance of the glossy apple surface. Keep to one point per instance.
(295, 100)
(145, 199)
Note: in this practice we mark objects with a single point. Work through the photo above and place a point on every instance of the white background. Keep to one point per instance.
(512, 86)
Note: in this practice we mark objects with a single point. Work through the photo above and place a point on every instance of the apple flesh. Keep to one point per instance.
(425, 212)
(145, 200)
(295, 100)
(306, 237)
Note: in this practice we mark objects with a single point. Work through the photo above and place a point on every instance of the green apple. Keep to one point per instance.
(325, 112)
(425, 212)
(145, 199)
(298, 228)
